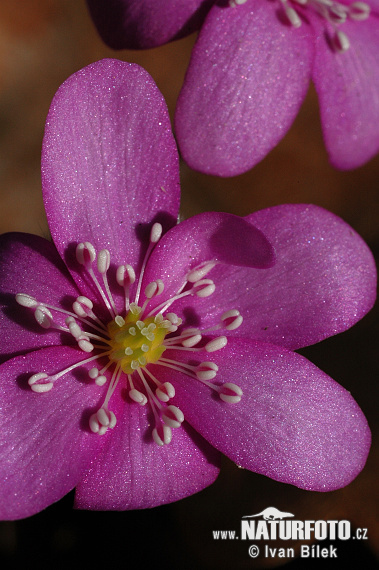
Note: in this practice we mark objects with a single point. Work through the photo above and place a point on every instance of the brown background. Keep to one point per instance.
(42, 42)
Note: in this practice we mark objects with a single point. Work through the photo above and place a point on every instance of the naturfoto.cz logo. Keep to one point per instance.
(272, 524)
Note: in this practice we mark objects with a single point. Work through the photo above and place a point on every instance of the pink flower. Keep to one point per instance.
(250, 70)
(136, 349)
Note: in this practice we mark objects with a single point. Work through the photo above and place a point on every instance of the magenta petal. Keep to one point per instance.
(109, 162)
(134, 24)
(30, 264)
(323, 282)
(133, 472)
(348, 89)
(247, 78)
(212, 236)
(293, 423)
(45, 444)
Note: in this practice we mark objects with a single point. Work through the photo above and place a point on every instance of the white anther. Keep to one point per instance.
(100, 380)
(125, 275)
(43, 317)
(338, 14)
(138, 397)
(165, 392)
(341, 41)
(206, 370)
(204, 287)
(156, 232)
(293, 16)
(230, 393)
(93, 373)
(200, 272)
(103, 261)
(102, 417)
(85, 345)
(359, 11)
(82, 306)
(191, 341)
(164, 437)
(216, 344)
(154, 288)
(172, 317)
(26, 300)
(233, 3)
(42, 388)
(74, 328)
(144, 348)
(232, 319)
(85, 253)
(173, 417)
(37, 386)
(94, 424)
(119, 320)
(128, 351)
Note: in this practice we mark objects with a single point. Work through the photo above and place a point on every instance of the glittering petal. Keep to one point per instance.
(134, 24)
(109, 163)
(293, 423)
(45, 445)
(30, 264)
(211, 236)
(323, 281)
(133, 472)
(245, 83)
(348, 89)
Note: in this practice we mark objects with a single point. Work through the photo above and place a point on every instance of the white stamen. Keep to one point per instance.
(173, 417)
(192, 340)
(204, 288)
(37, 385)
(293, 16)
(154, 288)
(85, 344)
(125, 275)
(200, 271)
(26, 300)
(206, 370)
(103, 261)
(43, 317)
(231, 320)
(82, 306)
(216, 344)
(85, 253)
(359, 11)
(164, 436)
(230, 393)
(341, 41)
(101, 380)
(165, 392)
(93, 373)
(156, 232)
(137, 397)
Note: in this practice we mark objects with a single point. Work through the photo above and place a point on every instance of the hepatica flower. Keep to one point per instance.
(136, 349)
(250, 70)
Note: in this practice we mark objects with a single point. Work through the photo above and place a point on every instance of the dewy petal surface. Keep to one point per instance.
(323, 281)
(133, 472)
(30, 264)
(44, 446)
(134, 24)
(109, 161)
(348, 89)
(293, 423)
(247, 78)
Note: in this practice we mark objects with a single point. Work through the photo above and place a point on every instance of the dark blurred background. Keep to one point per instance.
(42, 42)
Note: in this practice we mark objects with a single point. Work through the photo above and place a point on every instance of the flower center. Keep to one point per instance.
(333, 13)
(133, 340)
(135, 343)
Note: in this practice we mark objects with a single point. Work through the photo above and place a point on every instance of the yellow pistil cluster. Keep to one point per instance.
(135, 343)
